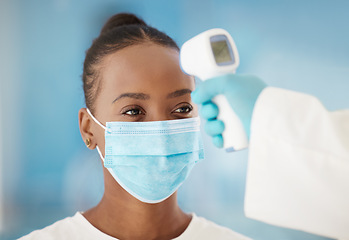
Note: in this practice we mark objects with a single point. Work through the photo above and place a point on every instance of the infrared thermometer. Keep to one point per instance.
(211, 54)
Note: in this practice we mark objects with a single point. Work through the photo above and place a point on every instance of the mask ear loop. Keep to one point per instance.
(100, 124)
(100, 154)
(95, 120)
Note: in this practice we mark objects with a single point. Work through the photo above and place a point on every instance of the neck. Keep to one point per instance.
(122, 216)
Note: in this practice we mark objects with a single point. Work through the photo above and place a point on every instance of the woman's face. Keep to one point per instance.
(142, 83)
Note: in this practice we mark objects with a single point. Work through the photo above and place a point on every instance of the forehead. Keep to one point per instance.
(147, 68)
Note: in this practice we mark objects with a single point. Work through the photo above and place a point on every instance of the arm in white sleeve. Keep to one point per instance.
(298, 169)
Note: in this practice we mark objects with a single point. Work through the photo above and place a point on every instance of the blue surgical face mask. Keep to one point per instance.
(151, 160)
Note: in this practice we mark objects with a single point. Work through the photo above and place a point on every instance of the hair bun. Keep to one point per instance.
(122, 19)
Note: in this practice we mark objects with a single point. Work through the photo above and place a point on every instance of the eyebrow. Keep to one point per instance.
(179, 93)
(141, 96)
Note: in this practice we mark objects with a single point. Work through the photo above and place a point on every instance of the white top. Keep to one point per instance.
(298, 169)
(77, 227)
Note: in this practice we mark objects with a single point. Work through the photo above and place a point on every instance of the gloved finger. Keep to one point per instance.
(214, 127)
(208, 89)
(218, 140)
(209, 110)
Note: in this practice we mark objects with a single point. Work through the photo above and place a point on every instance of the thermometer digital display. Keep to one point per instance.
(221, 49)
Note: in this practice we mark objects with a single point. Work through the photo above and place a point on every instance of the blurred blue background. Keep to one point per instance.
(46, 171)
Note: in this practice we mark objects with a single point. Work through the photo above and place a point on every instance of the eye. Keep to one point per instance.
(133, 111)
(184, 109)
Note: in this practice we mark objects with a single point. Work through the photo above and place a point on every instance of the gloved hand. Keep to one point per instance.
(241, 92)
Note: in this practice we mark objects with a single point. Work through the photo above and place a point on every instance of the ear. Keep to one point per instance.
(85, 128)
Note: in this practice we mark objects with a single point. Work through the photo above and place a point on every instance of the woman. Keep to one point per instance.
(141, 119)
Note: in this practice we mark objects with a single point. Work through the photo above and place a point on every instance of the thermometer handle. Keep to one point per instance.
(234, 135)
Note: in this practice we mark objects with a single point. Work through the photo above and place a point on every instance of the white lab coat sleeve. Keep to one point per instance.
(298, 167)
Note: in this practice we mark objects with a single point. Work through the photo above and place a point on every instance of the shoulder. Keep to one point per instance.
(201, 228)
(53, 231)
(76, 227)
